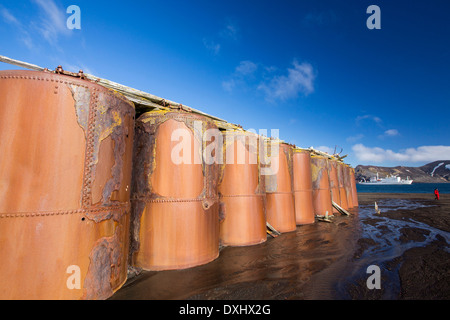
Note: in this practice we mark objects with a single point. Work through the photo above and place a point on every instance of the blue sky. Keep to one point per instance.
(311, 69)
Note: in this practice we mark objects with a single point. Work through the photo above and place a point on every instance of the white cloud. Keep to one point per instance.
(376, 119)
(246, 67)
(24, 34)
(420, 154)
(8, 16)
(53, 22)
(229, 85)
(243, 72)
(230, 31)
(49, 23)
(299, 79)
(391, 132)
(355, 138)
(212, 46)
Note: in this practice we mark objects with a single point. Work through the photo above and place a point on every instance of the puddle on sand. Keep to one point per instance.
(384, 239)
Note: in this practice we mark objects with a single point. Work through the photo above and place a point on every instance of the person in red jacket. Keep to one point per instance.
(436, 194)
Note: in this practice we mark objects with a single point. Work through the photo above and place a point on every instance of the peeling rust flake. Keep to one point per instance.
(106, 259)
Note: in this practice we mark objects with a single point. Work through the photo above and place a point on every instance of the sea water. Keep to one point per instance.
(411, 188)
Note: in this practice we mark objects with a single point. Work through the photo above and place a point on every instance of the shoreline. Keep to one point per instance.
(438, 217)
(419, 270)
(326, 261)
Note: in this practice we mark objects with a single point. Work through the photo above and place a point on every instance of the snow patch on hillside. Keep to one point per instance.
(432, 172)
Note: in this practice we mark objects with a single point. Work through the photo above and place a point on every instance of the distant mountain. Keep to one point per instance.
(434, 172)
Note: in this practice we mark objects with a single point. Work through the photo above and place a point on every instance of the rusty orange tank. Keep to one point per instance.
(348, 186)
(241, 191)
(353, 187)
(342, 189)
(280, 208)
(65, 176)
(303, 193)
(321, 186)
(334, 182)
(175, 222)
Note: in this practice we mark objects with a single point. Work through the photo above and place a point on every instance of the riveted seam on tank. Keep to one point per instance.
(116, 215)
(281, 192)
(88, 165)
(242, 195)
(121, 207)
(113, 125)
(43, 79)
(169, 200)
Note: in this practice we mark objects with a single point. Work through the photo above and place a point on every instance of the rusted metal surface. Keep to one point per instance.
(334, 182)
(348, 186)
(280, 208)
(65, 177)
(354, 190)
(321, 186)
(303, 193)
(175, 222)
(242, 191)
(342, 189)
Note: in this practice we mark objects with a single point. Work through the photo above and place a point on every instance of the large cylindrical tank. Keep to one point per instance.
(321, 186)
(334, 182)
(348, 186)
(280, 208)
(65, 175)
(241, 191)
(303, 193)
(342, 189)
(354, 190)
(175, 222)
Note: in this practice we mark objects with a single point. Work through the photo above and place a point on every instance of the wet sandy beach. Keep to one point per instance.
(408, 241)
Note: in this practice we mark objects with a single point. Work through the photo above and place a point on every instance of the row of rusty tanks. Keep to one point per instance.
(289, 189)
(333, 182)
(87, 191)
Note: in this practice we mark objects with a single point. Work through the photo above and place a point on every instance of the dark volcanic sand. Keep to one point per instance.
(409, 241)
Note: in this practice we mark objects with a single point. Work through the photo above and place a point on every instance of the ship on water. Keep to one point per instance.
(389, 180)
